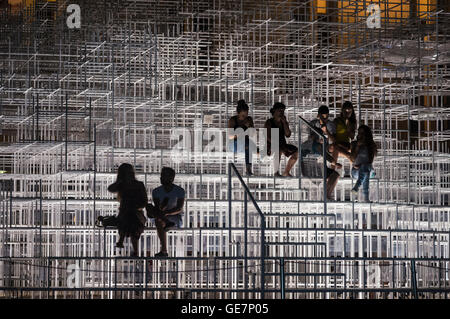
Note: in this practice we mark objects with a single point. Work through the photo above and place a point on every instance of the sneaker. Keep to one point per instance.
(161, 254)
(355, 195)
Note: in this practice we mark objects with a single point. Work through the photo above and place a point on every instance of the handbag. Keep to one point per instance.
(106, 221)
(152, 211)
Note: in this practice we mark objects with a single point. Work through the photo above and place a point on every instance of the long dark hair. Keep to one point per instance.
(367, 140)
(125, 174)
(352, 118)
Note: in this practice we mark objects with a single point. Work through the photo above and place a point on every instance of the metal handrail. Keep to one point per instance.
(324, 154)
(44, 263)
(232, 167)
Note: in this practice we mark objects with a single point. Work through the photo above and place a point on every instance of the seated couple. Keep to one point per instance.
(167, 210)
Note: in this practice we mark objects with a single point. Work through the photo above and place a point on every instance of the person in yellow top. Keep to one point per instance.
(345, 132)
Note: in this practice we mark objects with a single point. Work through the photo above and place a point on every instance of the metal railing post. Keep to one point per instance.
(231, 166)
(282, 284)
(300, 171)
(324, 154)
(229, 206)
(245, 240)
(413, 278)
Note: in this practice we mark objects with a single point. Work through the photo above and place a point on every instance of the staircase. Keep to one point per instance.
(121, 89)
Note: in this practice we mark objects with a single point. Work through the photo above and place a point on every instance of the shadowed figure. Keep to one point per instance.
(168, 209)
(278, 121)
(132, 196)
(314, 145)
(363, 152)
(244, 121)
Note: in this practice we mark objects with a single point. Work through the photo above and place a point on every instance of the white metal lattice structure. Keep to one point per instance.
(75, 104)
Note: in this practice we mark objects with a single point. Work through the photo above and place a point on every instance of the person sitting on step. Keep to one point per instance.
(132, 196)
(278, 121)
(313, 145)
(345, 132)
(244, 121)
(169, 201)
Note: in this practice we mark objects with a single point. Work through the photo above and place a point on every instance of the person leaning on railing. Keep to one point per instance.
(314, 145)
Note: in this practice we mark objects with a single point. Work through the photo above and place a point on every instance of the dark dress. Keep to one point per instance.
(247, 138)
(285, 148)
(133, 195)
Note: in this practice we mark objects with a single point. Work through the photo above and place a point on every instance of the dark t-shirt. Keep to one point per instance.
(270, 123)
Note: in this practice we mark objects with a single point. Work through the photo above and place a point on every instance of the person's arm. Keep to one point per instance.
(176, 210)
(143, 198)
(287, 131)
(250, 122)
(313, 136)
(268, 127)
(156, 200)
(113, 188)
(351, 129)
(354, 152)
(373, 153)
(330, 135)
(231, 124)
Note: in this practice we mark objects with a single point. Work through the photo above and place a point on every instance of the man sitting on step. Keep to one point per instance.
(314, 144)
(168, 208)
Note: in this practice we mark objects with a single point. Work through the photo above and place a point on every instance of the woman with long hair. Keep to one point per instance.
(363, 152)
(132, 196)
(345, 125)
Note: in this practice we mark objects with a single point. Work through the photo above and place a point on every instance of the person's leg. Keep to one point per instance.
(333, 156)
(153, 212)
(343, 150)
(332, 180)
(248, 164)
(277, 164)
(292, 160)
(365, 181)
(119, 244)
(135, 243)
(359, 178)
(161, 234)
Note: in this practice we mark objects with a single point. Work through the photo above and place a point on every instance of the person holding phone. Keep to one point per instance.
(279, 121)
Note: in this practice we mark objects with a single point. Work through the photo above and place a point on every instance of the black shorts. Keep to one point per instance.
(330, 171)
(288, 149)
